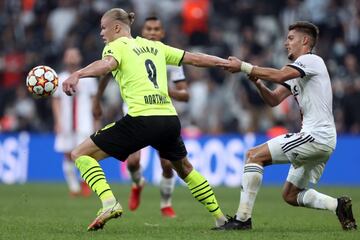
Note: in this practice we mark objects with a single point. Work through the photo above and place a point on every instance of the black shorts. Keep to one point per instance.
(130, 134)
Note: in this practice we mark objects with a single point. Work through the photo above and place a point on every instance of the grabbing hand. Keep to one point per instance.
(233, 65)
(253, 78)
(69, 85)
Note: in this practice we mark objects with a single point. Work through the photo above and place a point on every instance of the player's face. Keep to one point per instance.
(293, 44)
(72, 58)
(107, 29)
(153, 30)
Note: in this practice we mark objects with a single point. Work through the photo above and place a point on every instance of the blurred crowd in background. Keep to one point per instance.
(36, 32)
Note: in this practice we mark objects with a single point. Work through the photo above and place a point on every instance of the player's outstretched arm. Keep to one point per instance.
(270, 74)
(95, 69)
(202, 60)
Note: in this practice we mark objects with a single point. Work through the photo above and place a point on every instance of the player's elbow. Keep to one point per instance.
(272, 103)
(194, 59)
(275, 101)
(107, 67)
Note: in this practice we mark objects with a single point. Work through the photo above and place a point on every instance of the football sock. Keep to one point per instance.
(312, 199)
(167, 186)
(251, 182)
(201, 191)
(71, 178)
(136, 176)
(94, 176)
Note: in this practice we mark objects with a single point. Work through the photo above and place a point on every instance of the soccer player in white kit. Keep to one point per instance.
(73, 120)
(307, 151)
(153, 30)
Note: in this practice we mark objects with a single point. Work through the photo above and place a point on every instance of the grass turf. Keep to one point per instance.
(45, 211)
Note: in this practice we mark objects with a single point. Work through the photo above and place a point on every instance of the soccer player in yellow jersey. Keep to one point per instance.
(139, 66)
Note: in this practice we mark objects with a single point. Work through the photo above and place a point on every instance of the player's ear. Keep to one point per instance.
(117, 27)
(163, 33)
(306, 40)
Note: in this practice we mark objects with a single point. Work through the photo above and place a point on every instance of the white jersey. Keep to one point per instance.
(313, 93)
(175, 74)
(76, 121)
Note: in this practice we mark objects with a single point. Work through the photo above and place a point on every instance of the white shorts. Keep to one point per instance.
(307, 157)
(66, 142)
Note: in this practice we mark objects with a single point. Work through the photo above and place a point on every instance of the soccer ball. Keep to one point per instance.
(42, 81)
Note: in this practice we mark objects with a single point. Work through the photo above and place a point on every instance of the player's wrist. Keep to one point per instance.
(246, 67)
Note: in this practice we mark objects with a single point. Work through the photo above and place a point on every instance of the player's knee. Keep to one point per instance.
(183, 167)
(75, 154)
(167, 168)
(133, 166)
(290, 198)
(251, 156)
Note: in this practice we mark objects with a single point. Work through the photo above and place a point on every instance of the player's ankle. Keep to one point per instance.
(109, 202)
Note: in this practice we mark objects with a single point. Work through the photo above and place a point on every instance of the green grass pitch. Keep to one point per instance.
(45, 211)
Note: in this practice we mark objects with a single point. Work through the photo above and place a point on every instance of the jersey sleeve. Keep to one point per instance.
(59, 90)
(173, 56)
(306, 65)
(176, 73)
(113, 49)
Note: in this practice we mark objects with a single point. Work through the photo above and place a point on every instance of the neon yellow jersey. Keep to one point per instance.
(142, 75)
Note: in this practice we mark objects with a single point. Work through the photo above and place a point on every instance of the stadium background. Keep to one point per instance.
(35, 32)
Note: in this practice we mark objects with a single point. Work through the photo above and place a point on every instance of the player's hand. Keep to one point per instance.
(233, 65)
(69, 85)
(252, 78)
(96, 108)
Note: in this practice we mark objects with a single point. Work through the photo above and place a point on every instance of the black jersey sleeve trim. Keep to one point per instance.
(179, 80)
(287, 86)
(182, 58)
(302, 73)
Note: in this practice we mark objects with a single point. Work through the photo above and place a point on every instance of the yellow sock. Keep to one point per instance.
(94, 176)
(201, 191)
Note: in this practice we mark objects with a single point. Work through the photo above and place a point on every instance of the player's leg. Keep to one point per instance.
(64, 143)
(85, 189)
(138, 181)
(167, 185)
(295, 193)
(171, 146)
(69, 170)
(200, 188)
(308, 159)
(86, 157)
(256, 159)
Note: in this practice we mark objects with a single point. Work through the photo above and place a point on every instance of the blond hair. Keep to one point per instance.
(121, 15)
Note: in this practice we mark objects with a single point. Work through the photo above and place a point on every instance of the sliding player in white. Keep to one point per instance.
(308, 151)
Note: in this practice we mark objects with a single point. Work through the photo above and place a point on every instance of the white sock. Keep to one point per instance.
(167, 186)
(251, 182)
(136, 176)
(108, 202)
(71, 178)
(312, 199)
(220, 221)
